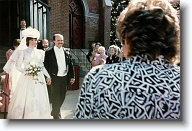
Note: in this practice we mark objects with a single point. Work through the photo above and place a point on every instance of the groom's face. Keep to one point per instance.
(58, 41)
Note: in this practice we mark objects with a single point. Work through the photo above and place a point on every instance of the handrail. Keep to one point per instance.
(80, 49)
(82, 52)
(44, 4)
(79, 58)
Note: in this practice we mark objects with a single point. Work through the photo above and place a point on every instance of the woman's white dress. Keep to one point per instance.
(30, 98)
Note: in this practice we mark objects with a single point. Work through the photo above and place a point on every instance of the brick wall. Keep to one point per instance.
(94, 26)
(59, 19)
(93, 6)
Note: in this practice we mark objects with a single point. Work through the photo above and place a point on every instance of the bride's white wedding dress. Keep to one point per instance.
(30, 98)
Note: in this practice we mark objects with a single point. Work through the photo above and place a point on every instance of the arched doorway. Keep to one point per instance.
(76, 22)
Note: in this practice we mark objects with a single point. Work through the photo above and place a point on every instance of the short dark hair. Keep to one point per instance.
(16, 42)
(98, 43)
(22, 20)
(27, 40)
(151, 32)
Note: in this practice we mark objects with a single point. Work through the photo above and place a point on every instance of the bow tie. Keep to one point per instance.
(22, 29)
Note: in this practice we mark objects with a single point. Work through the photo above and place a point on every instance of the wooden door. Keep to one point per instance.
(76, 16)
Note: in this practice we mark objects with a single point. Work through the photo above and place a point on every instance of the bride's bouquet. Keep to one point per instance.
(33, 70)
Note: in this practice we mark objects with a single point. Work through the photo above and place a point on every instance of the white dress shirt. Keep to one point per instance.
(21, 35)
(60, 56)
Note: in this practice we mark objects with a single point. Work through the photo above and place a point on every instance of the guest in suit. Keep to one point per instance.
(18, 33)
(59, 64)
(43, 44)
(39, 45)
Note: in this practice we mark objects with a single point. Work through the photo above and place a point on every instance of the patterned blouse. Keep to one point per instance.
(134, 89)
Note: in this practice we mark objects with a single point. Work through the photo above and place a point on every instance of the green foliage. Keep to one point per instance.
(117, 7)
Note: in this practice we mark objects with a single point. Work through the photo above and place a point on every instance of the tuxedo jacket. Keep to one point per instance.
(51, 65)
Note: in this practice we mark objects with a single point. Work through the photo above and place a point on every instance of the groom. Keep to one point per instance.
(59, 65)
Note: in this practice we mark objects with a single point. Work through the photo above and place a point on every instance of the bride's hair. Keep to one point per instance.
(28, 39)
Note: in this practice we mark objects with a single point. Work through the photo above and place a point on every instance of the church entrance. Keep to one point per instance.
(76, 23)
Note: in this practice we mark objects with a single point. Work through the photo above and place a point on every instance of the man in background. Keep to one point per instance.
(45, 44)
(18, 33)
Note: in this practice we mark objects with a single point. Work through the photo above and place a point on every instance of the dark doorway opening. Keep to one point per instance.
(76, 22)
(8, 21)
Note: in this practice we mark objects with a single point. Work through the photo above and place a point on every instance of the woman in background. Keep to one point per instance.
(7, 81)
(100, 58)
(113, 55)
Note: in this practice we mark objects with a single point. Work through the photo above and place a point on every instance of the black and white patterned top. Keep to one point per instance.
(134, 89)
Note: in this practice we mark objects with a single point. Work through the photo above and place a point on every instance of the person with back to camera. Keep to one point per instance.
(30, 98)
(147, 84)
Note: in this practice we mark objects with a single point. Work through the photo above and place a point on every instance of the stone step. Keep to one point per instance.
(79, 58)
(2, 52)
(5, 47)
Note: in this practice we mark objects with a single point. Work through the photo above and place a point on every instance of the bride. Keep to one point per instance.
(30, 98)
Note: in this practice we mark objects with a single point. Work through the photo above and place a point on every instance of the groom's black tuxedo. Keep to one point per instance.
(51, 62)
(59, 83)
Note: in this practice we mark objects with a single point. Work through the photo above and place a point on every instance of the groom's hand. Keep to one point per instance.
(48, 81)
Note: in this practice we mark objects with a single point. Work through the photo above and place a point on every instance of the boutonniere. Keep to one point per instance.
(67, 52)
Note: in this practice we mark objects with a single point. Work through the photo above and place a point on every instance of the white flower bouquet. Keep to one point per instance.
(33, 70)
